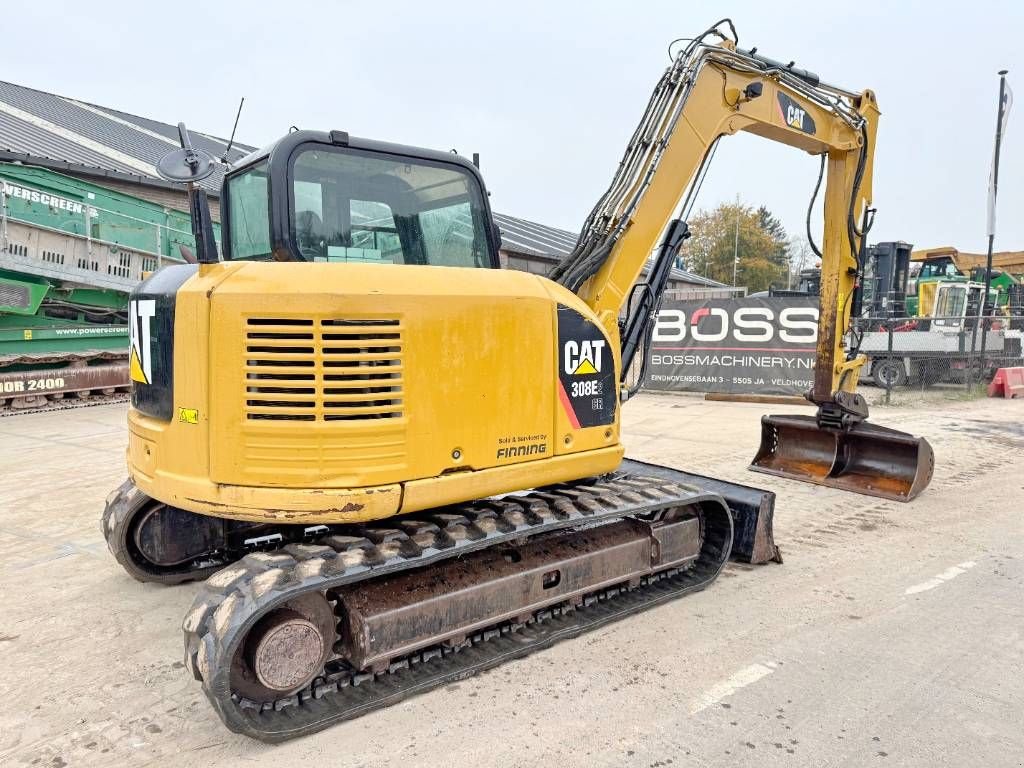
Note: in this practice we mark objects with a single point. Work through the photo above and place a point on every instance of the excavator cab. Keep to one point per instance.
(330, 198)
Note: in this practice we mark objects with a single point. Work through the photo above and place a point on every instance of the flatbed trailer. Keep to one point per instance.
(936, 355)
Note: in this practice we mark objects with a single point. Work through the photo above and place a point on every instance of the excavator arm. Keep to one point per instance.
(713, 90)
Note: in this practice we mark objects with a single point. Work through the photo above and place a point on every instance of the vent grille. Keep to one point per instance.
(300, 369)
(122, 268)
(16, 296)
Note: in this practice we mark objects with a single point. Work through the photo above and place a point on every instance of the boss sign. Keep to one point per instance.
(738, 346)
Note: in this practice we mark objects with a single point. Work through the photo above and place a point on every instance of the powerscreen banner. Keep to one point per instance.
(737, 346)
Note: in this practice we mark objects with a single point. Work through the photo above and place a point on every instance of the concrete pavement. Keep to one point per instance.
(892, 635)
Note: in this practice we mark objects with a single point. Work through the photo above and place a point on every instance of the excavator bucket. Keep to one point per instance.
(866, 458)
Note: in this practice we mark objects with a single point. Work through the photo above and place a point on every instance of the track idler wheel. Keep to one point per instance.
(157, 543)
(865, 458)
(285, 650)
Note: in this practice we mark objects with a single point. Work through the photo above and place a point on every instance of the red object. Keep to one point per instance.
(569, 410)
(698, 314)
(1008, 383)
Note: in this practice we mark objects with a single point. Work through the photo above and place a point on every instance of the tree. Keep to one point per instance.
(801, 257)
(777, 232)
(771, 225)
(754, 235)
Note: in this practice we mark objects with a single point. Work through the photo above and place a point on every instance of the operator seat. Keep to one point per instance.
(309, 231)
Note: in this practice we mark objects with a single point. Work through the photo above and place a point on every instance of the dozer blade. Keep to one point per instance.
(866, 458)
(753, 510)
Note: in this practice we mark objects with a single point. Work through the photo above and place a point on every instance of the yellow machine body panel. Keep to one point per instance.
(338, 393)
(926, 298)
(1008, 261)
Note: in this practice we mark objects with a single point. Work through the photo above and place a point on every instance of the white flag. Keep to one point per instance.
(1007, 103)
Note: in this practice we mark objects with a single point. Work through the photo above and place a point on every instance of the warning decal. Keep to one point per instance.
(586, 371)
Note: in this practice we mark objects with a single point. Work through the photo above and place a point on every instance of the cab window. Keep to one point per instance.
(248, 211)
(356, 206)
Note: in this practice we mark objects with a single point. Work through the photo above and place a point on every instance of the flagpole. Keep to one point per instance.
(992, 234)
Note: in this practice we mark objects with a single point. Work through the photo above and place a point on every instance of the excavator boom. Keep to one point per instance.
(711, 91)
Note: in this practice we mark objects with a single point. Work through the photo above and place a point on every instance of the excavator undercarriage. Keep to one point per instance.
(288, 641)
(312, 626)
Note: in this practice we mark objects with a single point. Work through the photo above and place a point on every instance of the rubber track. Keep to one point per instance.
(66, 404)
(69, 400)
(122, 504)
(230, 602)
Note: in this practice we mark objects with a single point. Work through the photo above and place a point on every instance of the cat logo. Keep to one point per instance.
(140, 317)
(583, 357)
(794, 115)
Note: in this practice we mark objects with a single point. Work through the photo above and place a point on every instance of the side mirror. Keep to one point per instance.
(187, 166)
(496, 234)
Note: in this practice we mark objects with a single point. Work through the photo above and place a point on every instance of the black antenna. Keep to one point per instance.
(231, 141)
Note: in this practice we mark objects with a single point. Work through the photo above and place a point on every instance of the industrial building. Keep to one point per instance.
(86, 173)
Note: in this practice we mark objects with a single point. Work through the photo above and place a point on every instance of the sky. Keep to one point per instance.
(548, 93)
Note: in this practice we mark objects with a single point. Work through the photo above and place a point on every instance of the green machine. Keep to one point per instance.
(941, 266)
(70, 253)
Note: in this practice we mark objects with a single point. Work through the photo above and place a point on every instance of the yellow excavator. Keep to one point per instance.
(397, 476)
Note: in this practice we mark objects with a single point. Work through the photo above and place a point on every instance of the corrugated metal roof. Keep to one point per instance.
(528, 237)
(211, 144)
(19, 136)
(45, 126)
(532, 239)
(48, 126)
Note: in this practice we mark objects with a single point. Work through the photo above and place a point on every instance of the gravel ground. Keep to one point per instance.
(892, 635)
